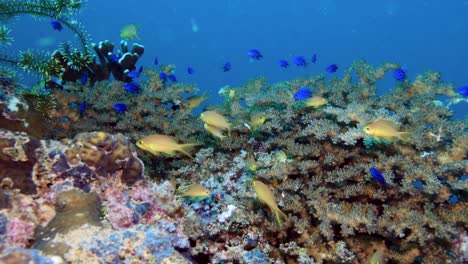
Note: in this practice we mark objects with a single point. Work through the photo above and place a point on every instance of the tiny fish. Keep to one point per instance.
(84, 78)
(56, 25)
(303, 93)
(156, 61)
(463, 91)
(453, 199)
(255, 54)
(385, 129)
(300, 61)
(190, 70)
(163, 76)
(195, 191)
(120, 107)
(377, 257)
(265, 195)
(172, 77)
(314, 58)
(214, 119)
(129, 32)
(283, 63)
(378, 176)
(418, 185)
(157, 143)
(135, 73)
(400, 74)
(113, 58)
(332, 68)
(132, 87)
(316, 101)
(227, 67)
(82, 106)
(195, 101)
(214, 131)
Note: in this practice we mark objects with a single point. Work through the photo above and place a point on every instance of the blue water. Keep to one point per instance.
(419, 34)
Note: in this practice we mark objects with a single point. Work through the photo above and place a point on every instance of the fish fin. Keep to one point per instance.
(155, 153)
(137, 37)
(280, 215)
(404, 136)
(183, 150)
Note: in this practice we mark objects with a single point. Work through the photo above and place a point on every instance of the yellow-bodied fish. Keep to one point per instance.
(129, 32)
(156, 144)
(214, 119)
(195, 101)
(316, 101)
(214, 131)
(195, 191)
(385, 129)
(256, 120)
(252, 163)
(377, 257)
(266, 196)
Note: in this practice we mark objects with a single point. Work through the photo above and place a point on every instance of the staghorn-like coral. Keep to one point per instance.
(316, 162)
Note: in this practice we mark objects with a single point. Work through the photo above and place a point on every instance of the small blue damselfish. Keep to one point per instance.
(378, 176)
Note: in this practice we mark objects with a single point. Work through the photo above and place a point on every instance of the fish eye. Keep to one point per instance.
(367, 128)
(140, 142)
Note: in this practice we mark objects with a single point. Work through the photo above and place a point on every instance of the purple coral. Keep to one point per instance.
(19, 232)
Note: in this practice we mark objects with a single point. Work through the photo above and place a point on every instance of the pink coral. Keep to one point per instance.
(120, 216)
(19, 232)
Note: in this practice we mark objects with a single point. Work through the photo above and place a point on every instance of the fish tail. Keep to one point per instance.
(404, 136)
(280, 215)
(184, 146)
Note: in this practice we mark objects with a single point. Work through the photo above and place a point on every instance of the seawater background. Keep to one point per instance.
(418, 34)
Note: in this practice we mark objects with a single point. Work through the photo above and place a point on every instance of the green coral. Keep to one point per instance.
(43, 63)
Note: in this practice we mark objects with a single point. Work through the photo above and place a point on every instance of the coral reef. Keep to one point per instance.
(316, 162)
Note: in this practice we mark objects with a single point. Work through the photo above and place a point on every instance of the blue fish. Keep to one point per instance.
(84, 78)
(190, 70)
(300, 61)
(132, 87)
(399, 74)
(463, 91)
(172, 77)
(255, 54)
(120, 107)
(332, 68)
(56, 25)
(283, 63)
(418, 185)
(303, 93)
(82, 106)
(378, 175)
(156, 61)
(453, 199)
(135, 73)
(113, 58)
(163, 76)
(314, 58)
(227, 67)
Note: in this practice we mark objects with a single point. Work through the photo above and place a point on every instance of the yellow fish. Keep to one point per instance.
(256, 120)
(195, 101)
(385, 129)
(214, 131)
(377, 257)
(129, 32)
(316, 101)
(156, 144)
(214, 119)
(252, 163)
(195, 191)
(266, 196)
